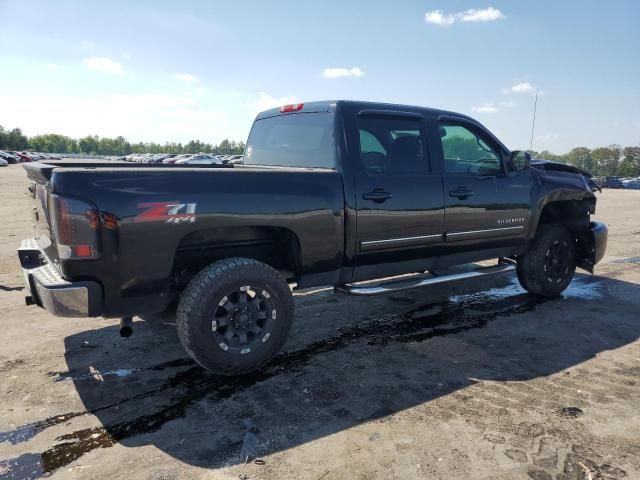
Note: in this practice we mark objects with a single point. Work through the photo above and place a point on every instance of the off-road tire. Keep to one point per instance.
(533, 269)
(200, 301)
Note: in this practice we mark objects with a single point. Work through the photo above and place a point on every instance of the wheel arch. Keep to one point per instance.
(275, 246)
(575, 214)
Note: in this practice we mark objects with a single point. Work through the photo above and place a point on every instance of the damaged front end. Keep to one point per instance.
(567, 195)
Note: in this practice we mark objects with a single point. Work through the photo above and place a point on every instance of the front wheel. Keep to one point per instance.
(549, 264)
(235, 315)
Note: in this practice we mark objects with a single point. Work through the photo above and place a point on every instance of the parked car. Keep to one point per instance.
(3, 162)
(632, 183)
(26, 157)
(176, 158)
(9, 157)
(331, 193)
(236, 160)
(611, 182)
(200, 159)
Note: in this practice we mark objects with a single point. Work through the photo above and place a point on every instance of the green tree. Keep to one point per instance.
(606, 160)
(16, 140)
(547, 155)
(581, 157)
(52, 142)
(195, 146)
(121, 146)
(630, 164)
(88, 144)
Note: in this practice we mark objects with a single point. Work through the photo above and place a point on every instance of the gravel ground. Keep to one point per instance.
(465, 382)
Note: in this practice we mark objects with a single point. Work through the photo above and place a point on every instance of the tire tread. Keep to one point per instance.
(200, 287)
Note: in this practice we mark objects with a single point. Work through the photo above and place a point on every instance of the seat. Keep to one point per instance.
(374, 161)
(405, 155)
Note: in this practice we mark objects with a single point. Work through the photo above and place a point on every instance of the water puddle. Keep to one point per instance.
(587, 288)
(119, 372)
(635, 260)
(462, 313)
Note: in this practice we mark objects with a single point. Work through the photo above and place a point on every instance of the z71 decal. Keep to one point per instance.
(170, 212)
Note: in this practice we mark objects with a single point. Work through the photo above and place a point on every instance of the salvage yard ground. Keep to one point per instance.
(468, 382)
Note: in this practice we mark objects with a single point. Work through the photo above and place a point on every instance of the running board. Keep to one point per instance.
(504, 265)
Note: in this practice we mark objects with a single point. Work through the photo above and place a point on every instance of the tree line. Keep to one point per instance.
(119, 146)
(613, 160)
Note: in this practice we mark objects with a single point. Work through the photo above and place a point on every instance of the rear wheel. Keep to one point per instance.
(549, 265)
(235, 315)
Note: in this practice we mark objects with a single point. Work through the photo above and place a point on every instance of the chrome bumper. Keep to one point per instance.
(52, 292)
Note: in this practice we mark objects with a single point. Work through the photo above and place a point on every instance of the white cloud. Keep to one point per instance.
(103, 64)
(485, 108)
(524, 87)
(87, 44)
(51, 66)
(185, 77)
(438, 17)
(202, 91)
(484, 15)
(342, 72)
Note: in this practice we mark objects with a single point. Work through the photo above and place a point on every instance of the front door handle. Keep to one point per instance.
(461, 192)
(378, 195)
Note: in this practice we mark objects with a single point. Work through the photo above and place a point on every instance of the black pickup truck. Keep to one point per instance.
(329, 193)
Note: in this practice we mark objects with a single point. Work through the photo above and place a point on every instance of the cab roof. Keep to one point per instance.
(329, 105)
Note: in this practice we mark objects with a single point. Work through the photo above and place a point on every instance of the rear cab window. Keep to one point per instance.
(292, 140)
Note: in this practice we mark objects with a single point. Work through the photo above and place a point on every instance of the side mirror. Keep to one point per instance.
(520, 159)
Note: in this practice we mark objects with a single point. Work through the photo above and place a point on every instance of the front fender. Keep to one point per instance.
(561, 188)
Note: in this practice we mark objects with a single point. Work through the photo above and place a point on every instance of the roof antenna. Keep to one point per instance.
(533, 123)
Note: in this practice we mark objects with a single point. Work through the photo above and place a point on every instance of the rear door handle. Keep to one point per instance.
(378, 195)
(461, 192)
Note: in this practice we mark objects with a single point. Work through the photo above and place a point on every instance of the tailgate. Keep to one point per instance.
(38, 193)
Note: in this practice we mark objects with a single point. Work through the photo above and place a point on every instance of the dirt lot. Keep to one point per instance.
(435, 384)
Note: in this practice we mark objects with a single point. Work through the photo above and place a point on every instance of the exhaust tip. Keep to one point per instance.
(126, 332)
(126, 327)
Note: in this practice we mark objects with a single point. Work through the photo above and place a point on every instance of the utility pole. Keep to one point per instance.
(533, 123)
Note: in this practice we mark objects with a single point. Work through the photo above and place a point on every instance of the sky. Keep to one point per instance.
(175, 71)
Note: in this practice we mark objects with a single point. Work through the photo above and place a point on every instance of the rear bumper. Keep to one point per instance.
(50, 291)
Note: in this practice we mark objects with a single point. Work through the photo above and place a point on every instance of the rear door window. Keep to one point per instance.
(392, 146)
(293, 140)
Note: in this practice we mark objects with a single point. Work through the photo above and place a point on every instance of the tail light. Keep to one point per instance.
(295, 107)
(74, 225)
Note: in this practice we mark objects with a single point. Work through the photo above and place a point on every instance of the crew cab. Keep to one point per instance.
(328, 193)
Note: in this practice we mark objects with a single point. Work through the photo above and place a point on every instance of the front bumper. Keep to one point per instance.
(592, 246)
(50, 291)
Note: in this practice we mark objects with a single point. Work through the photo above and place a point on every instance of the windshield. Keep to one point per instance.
(294, 140)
